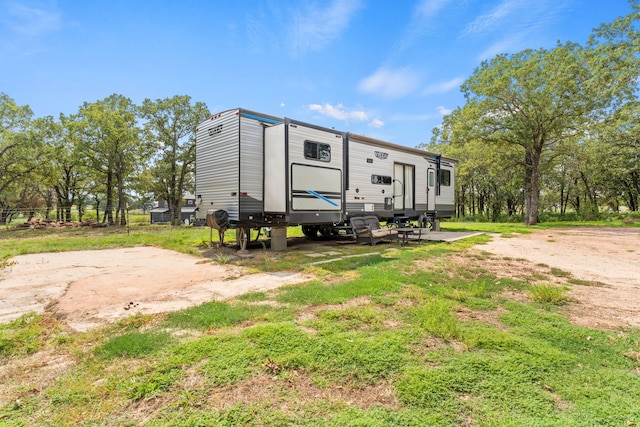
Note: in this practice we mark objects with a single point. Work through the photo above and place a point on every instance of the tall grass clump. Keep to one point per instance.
(436, 319)
(548, 294)
(27, 334)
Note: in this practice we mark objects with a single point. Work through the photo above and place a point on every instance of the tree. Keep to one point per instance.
(39, 189)
(534, 100)
(538, 99)
(112, 144)
(19, 153)
(68, 172)
(619, 156)
(170, 128)
(488, 177)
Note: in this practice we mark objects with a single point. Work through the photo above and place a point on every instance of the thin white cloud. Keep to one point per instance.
(339, 112)
(502, 46)
(25, 29)
(316, 27)
(421, 117)
(414, 117)
(443, 111)
(30, 21)
(376, 123)
(389, 83)
(515, 24)
(444, 87)
(495, 17)
(429, 8)
(421, 20)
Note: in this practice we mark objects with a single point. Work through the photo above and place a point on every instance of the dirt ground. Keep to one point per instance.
(604, 267)
(90, 288)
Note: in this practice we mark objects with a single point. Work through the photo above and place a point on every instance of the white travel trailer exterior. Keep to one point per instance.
(266, 171)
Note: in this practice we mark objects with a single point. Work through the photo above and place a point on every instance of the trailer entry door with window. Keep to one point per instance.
(403, 187)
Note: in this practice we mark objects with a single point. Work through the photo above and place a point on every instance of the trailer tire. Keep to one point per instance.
(311, 231)
(328, 232)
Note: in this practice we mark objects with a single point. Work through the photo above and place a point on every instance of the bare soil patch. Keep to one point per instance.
(90, 288)
(600, 264)
(87, 289)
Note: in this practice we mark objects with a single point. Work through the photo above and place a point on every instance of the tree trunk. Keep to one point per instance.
(460, 199)
(121, 201)
(531, 186)
(592, 197)
(97, 209)
(3, 216)
(108, 209)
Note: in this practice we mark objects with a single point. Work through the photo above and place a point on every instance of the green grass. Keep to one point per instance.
(214, 314)
(548, 294)
(27, 334)
(190, 240)
(134, 344)
(405, 337)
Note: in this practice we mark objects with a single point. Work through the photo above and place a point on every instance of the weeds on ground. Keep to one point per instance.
(27, 334)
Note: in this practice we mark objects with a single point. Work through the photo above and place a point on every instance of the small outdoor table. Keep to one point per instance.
(405, 232)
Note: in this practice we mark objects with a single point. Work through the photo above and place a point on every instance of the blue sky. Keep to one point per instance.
(386, 69)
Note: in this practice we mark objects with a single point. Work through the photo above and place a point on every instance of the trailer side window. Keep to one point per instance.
(445, 177)
(317, 151)
(379, 179)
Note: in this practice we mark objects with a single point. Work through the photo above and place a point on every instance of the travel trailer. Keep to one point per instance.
(264, 171)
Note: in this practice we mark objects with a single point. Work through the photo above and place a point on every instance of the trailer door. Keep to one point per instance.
(403, 187)
(431, 189)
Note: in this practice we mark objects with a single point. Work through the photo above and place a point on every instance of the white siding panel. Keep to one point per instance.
(298, 133)
(360, 171)
(275, 168)
(251, 163)
(217, 161)
(316, 188)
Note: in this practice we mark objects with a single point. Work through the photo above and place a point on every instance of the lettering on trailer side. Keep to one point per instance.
(381, 154)
(215, 130)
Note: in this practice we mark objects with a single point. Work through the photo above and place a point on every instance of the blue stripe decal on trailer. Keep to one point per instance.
(321, 197)
(262, 119)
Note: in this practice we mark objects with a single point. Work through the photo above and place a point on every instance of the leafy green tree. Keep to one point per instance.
(19, 154)
(619, 156)
(533, 100)
(488, 179)
(112, 144)
(67, 169)
(538, 99)
(170, 127)
(39, 189)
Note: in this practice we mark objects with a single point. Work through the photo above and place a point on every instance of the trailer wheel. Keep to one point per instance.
(311, 231)
(328, 232)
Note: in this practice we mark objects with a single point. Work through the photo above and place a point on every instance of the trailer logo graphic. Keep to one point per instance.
(381, 154)
(215, 130)
(321, 197)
